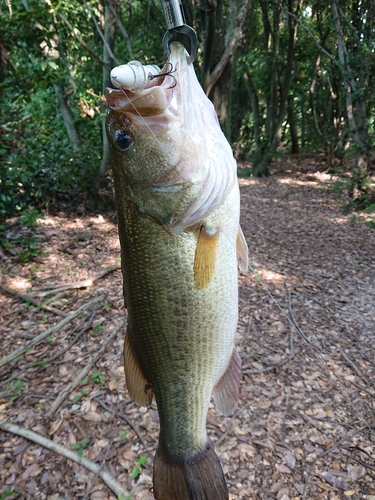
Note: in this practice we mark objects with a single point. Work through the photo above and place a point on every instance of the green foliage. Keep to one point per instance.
(96, 329)
(16, 386)
(136, 471)
(8, 493)
(39, 166)
(359, 191)
(98, 378)
(80, 446)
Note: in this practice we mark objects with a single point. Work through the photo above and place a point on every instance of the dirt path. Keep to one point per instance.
(305, 425)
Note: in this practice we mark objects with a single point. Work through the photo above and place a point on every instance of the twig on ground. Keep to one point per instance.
(296, 326)
(57, 297)
(127, 420)
(268, 369)
(350, 363)
(240, 410)
(291, 344)
(327, 452)
(109, 480)
(23, 335)
(78, 356)
(18, 352)
(76, 338)
(78, 284)
(63, 395)
(248, 328)
(31, 300)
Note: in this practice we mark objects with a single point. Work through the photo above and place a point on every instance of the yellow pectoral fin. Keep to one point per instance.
(205, 257)
(140, 389)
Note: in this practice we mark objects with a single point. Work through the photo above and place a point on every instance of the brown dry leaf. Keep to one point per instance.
(31, 471)
(91, 454)
(85, 406)
(283, 468)
(102, 443)
(113, 384)
(247, 449)
(290, 459)
(264, 403)
(55, 425)
(356, 471)
(335, 481)
(92, 416)
(98, 495)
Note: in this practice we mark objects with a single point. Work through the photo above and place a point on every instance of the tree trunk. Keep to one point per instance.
(109, 34)
(355, 95)
(67, 116)
(254, 102)
(218, 54)
(292, 126)
(263, 160)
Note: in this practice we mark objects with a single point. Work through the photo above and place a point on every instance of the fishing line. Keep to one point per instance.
(317, 353)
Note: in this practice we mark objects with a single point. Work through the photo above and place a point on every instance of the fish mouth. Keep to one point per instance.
(150, 101)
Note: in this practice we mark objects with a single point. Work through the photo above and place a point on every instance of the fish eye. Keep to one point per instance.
(123, 140)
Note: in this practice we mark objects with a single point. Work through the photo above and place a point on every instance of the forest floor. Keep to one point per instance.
(305, 424)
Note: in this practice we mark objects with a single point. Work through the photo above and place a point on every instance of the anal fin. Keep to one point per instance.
(242, 252)
(139, 388)
(205, 257)
(227, 390)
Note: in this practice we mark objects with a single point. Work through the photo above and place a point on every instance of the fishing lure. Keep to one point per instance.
(135, 76)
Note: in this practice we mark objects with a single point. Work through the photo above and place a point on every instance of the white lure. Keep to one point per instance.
(135, 76)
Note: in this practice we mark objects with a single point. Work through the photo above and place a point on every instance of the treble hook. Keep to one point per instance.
(166, 73)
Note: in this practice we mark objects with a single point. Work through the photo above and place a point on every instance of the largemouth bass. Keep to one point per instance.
(178, 215)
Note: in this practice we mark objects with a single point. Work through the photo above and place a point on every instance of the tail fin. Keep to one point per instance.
(198, 478)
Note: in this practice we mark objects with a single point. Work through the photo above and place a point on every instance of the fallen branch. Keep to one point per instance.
(79, 284)
(127, 420)
(109, 480)
(76, 338)
(350, 363)
(82, 374)
(19, 352)
(31, 300)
